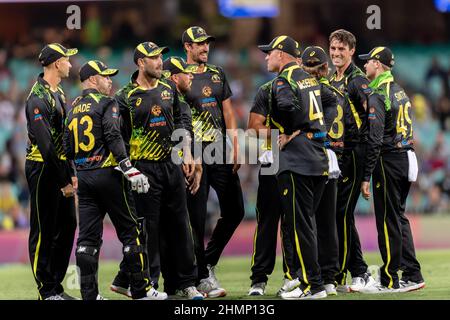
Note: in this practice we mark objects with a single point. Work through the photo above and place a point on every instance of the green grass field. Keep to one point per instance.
(17, 282)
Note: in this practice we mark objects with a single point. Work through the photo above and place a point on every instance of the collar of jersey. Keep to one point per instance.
(382, 78)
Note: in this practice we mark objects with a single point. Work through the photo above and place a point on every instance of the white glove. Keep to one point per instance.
(139, 182)
(333, 167)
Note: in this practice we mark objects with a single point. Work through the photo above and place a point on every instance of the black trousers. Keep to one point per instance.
(300, 196)
(104, 191)
(170, 241)
(268, 215)
(52, 229)
(395, 240)
(228, 189)
(327, 237)
(348, 191)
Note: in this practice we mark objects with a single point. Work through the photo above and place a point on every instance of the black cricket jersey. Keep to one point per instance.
(92, 137)
(354, 85)
(208, 90)
(297, 106)
(389, 121)
(332, 103)
(45, 113)
(154, 115)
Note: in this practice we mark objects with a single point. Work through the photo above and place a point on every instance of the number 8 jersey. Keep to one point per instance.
(92, 135)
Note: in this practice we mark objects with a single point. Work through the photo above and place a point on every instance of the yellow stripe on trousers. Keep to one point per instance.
(344, 261)
(386, 234)
(141, 256)
(38, 246)
(297, 242)
(255, 236)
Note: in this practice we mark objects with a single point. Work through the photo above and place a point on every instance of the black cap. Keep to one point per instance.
(196, 34)
(148, 49)
(314, 56)
(94, 67)
(174, 65)
(382, 54)
(53, 51)
(283, 43)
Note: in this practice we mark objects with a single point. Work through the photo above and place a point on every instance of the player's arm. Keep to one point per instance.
(286, 104)
(258, 114)
(329, 104)
(38, 116)
(376, 118)
(358, 90)
(125, 116)
(68, 141)
(111, 131)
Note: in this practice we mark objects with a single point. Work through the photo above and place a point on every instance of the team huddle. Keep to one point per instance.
(118, 154)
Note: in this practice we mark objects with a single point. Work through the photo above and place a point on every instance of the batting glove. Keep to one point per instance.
(139, 182)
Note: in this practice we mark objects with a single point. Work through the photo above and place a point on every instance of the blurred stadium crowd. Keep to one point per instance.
(428, 87)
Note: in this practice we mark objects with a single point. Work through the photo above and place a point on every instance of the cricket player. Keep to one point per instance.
(92, 139)
(315, 62)
(303, 161)
(353, 84)
(391, 162)
(155, 112)
(49, 175)
(212, 114)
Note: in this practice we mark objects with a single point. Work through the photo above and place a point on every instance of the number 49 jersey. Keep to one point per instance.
(92, 137)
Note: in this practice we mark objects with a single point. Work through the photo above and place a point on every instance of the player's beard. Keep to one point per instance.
(153, 74)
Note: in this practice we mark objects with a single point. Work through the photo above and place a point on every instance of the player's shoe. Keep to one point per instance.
(153, 294)
(298, 294)
(65, 296)
(359, 283)
(210, 289)
(55, 297)
(330, 288)
(407, 286)
(288, 285)
(190, 293)
(258, 289)
(378, 288)
(100, 297)
(343, 288)
(120, 290)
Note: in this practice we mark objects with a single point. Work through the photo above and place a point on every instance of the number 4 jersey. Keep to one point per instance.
(92, 135)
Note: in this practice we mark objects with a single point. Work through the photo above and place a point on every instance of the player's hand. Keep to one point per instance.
(236, 164)
(75, 183)
(68, 191)
(188, 166)
(194, 183)
(284, 139)
(139, 182)
(365, 189)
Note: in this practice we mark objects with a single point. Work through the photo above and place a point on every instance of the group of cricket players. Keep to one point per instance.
(148, 155)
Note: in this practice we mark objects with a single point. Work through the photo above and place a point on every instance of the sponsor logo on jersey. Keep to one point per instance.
(138, 102)
(37, 114)
(115, 113)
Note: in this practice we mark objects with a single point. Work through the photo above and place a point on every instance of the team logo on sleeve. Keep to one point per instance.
(215, 78)
(165, 95)
(207, 91)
